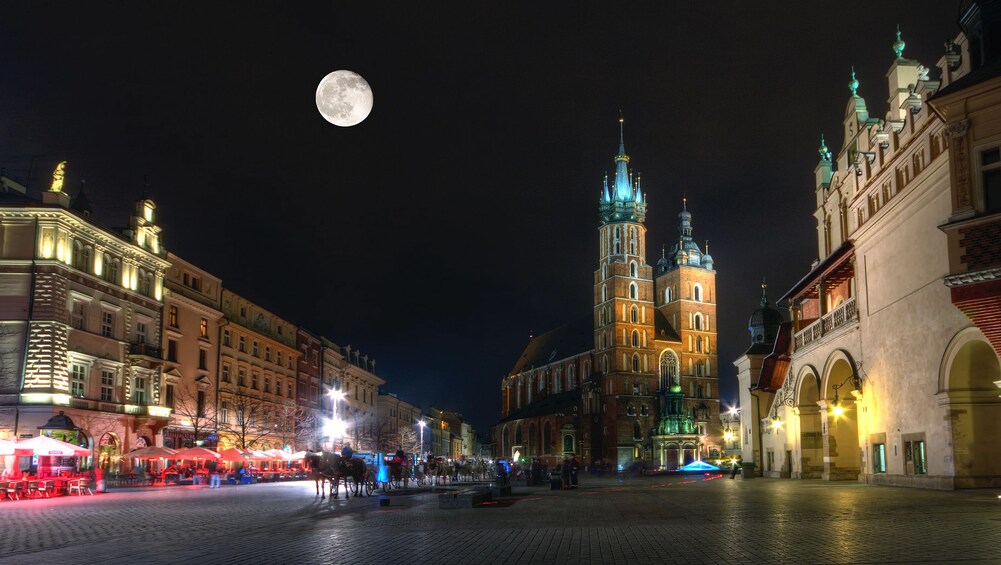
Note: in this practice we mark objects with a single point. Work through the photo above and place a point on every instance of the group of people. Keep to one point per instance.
(566, 469)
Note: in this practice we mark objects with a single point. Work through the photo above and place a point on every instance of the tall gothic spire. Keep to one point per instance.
(624, 202)
(623, 186)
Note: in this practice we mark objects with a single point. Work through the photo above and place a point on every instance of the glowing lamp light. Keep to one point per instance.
(837, 411)
(335, 428)
(776, 423)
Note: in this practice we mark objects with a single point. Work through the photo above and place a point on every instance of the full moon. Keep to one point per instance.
(344, 98)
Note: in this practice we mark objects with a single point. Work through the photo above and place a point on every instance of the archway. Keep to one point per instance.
(109, 455)
(811, 462)
(974, 411)
(842, 460)
(689, 453)
(672, 457)
(533, 440)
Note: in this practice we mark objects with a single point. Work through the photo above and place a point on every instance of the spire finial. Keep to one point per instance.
(898, 45)
(684, 202)
(707, 247)
(764, 293)
(853, 85)
(825, 155)
(621, 121)
(663, 251)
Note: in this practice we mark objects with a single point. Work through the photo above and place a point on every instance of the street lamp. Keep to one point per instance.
(335, 395)
(422, 424)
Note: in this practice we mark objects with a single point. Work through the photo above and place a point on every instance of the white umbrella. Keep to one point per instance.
(195, 453)
(153, 452)
(44, 445)
(7, 447)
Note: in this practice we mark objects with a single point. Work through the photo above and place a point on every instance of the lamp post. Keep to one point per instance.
(422, 424)
(335, 396)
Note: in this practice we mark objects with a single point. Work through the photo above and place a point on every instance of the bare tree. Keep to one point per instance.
(293, 424)
(95, 425)
(245, 429)
(193, 410)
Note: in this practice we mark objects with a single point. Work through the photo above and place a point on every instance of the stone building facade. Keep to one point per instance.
(884, 380)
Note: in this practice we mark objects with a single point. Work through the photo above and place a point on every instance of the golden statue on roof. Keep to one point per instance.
(57, 177)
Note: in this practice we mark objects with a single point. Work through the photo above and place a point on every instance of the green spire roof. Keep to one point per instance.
(853, 84)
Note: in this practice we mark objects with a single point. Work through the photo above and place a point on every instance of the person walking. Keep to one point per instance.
(736, 466)
(574, 467)
(213, 467)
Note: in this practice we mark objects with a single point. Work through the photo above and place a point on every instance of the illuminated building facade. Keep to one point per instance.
(80, 322)
(308, 383)
(885, 380)
(191, 335)
(353, 374)
(398, 424)
(636, 380)
(257, 381)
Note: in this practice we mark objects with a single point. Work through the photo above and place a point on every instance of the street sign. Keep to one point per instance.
(27, 436)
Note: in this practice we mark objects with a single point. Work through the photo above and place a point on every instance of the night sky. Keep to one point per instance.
(462, 214)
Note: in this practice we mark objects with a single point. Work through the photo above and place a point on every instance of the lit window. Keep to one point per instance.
(107, 386)
(78, 315)
(172, 316)
(243, 344)
(141, 332)
(140, 390)
(225, 338)
(203, 328)
(78, 381)
(107, 324)
(225, 373)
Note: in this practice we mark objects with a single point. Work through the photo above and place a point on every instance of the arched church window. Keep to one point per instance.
(632, 241)
(571, 378)
(633, 291)
(697, 292)
(636, 362)
(668, 369)
(604, 364)
(636, 338)
(633, 270)
(556, 381)
(637, 431)
(667, 294)
(604, 292)
(604, 272)
(616, 243)
(634, 314)
(587, 370)
(698, 369)
(630, 410)
(698, 344)
(697, 322)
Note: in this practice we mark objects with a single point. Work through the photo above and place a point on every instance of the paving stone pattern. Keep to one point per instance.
(607, 520)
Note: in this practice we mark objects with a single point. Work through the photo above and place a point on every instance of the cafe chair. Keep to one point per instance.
(81, 485)
(43, 488)
(15, 490)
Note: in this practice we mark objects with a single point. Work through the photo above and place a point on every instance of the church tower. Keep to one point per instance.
(686, 296)
(623, 321)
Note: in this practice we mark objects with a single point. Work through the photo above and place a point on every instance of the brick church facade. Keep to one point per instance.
(635, 381)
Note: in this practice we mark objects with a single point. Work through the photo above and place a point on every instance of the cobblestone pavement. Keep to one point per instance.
(696, 519)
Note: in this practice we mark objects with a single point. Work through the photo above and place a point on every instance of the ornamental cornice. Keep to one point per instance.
(973, 278)
(212, 313)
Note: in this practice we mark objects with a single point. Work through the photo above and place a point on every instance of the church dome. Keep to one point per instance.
(764, 322)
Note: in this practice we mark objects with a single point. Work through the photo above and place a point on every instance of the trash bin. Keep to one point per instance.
(747, 470)
(99, 480)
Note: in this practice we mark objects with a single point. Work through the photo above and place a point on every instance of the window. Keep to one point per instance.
(169, 397)
(278, 358)
(633, 291)
(225, 338)
(192, 281)
(243, 311)
(990, 166)
(107, 386)
(241, 377)
(291, 359)
(604, 293)
(257, 350)
(630, 410)
(141, 332)
(267, 384)
(634, 315)
(78, 381)
(243, 344)
(267, 353)
(632, 241)
(290, 390)
(224, 412)
(879, 458)
(254, 381)
(915, 460)
(200, 404)
(202, 363)
(636, 362)
(172, 316)
(316, 358)
(667, 295)
(698, 344)
(697, 322)
(171, 350)
(632, 269)
(697, 293)
(140, 390)
(203, 328)
(111, 270)
(225, 373)
(278, 388)
(636, 338)
(107, 324)
(78, 314)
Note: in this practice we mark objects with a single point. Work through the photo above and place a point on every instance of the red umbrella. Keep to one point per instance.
(194, 454)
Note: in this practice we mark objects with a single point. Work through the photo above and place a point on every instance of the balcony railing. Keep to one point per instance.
(145, 350)
(840, 316)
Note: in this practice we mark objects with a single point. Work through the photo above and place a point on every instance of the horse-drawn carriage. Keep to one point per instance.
(326, 466)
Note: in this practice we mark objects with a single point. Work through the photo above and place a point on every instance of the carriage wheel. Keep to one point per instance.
(369, 485)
